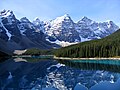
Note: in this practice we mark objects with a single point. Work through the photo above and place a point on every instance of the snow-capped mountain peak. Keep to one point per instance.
(6, 13)
(36, 19)
(24, 19)
(66, 16)
(85, 20)
(38, 22)
(61, 19)
(110, 22)
(63, 29)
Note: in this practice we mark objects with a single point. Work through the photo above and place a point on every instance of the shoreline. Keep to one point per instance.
(31, 55)
(67, 58)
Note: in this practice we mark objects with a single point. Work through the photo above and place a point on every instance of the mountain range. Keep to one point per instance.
(63, 31)
(20, 34)
(66, 32)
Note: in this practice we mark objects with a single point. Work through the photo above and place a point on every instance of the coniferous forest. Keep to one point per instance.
(106, 47)
(36, 51)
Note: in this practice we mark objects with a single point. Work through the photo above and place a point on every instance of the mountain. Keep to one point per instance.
(20, 34)
(64, 31)
(91, 30)
(106, 47)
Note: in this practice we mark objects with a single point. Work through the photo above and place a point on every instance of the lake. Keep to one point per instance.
(34, 73)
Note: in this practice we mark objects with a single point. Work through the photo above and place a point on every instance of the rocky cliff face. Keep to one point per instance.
(20, 34)
(64, 31)
(90, 30)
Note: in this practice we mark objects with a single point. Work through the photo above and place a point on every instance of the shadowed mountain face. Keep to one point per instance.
(20, 34)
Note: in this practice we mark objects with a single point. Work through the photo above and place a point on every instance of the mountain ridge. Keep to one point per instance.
(20, 34)
(65, 29)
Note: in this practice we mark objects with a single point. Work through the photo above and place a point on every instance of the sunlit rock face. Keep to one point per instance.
(64, 29)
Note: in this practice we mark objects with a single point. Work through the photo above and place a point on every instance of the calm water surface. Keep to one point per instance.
(49, 74)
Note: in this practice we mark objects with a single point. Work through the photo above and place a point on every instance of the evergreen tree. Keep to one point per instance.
(106, 47)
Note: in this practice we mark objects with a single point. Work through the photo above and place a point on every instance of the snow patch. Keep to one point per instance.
(84, 39)
(60, 19)
(63, 43)
(8, 34)
(6, 13)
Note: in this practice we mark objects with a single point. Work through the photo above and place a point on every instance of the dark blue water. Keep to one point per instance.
(39, 74)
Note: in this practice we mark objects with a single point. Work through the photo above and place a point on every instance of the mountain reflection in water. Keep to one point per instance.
(49, 74)
(107, 65)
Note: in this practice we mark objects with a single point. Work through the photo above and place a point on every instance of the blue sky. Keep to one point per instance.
(98, 10)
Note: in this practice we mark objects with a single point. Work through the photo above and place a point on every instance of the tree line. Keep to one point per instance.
(36, 52)
(106, 47)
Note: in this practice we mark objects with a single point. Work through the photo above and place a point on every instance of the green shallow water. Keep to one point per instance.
(103, 61)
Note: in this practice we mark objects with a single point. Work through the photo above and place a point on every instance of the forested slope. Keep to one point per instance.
(106, 47)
